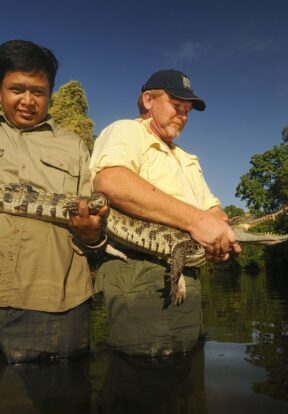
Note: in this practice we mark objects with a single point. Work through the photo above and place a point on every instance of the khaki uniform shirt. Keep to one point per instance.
(131, 144)
(39, 267)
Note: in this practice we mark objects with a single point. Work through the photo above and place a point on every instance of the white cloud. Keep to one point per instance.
(257, 45)
(186, 51)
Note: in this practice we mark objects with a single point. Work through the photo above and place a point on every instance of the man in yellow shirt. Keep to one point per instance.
(143, 173)
(45, 282)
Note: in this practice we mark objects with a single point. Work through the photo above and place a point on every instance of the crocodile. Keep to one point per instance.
(24, 200)
(173, 246)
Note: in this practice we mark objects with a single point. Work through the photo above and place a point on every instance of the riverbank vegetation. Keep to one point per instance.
(264, 188)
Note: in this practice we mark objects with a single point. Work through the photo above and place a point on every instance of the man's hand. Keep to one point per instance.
(219, 240)
(86, 227)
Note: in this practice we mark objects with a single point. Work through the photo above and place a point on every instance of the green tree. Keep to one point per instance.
(264, 187)
(233, 211)
(69, 107)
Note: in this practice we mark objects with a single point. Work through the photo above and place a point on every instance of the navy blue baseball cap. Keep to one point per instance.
(176, 84)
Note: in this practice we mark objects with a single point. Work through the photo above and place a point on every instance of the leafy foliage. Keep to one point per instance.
(265, 189)
(265, 186)
(69, 107)
(233, 211)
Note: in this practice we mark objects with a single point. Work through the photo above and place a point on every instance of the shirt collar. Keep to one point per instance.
(48, 123)
(152, 137)
(155, 140)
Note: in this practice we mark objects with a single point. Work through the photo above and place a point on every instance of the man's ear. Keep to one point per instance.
(147, 100)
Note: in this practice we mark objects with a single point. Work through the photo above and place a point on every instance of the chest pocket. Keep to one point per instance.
(62, 175)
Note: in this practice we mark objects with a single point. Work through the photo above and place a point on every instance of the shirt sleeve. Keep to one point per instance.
(84, 185)
(207, 197)
(119, 145)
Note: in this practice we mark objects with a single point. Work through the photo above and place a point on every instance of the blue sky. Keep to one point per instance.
(236, 53)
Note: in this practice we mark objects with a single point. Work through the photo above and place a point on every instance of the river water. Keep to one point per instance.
(241, 368)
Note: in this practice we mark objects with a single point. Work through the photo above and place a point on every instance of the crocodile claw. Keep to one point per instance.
(178, 293)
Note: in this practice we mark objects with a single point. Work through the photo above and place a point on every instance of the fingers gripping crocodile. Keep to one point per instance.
(173, 246)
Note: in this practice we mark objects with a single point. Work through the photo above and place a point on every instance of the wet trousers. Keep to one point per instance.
(142, 321)
(27, 335)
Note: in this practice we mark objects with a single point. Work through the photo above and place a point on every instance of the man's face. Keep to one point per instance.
(169, 116)
(25, 98)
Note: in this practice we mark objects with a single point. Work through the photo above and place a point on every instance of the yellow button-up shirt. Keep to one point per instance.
(131, 144)
(39, 267)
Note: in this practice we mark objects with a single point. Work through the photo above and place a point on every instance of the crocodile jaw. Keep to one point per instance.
(266, 239)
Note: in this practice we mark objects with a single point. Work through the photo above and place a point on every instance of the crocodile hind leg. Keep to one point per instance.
(178, 287)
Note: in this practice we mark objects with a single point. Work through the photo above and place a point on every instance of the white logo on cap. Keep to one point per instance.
(186, 82)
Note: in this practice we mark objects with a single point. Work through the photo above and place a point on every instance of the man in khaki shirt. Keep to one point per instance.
(45, 282)
(142, 172)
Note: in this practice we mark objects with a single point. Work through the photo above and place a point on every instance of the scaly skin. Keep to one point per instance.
(24, 200)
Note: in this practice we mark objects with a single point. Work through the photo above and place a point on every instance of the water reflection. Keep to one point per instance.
(135, 385)
(253, 311)
(48, 389)
(130, 386)
(245, 369)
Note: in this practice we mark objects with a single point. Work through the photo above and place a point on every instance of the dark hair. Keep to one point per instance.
(26, 56)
